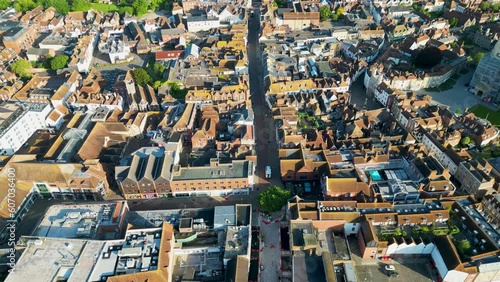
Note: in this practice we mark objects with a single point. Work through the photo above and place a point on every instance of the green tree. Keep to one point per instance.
(59, 62)
(140, 7)
(325, 13)
(274, 198)
(453, 22)
(275, 4)
(24, 5)
(159, 69)
(21, 68)
(495, 7)
(485, 6)
(335, 17)
(141, 77)
(477, 57)
(157, 84)
(80, 5)
(126, 9)
(175, 90)
(458, 111)
(462, 246)
(465, 141)
(154, 4)
(62, 6)
(4, 4)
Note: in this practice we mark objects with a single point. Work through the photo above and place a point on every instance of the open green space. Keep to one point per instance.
(105, 8)
(485, 112)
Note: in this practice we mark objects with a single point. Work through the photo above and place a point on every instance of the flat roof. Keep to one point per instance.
(237, 241)
(46, 258)
(237, 169)
(152, 218)
(78, 221)
(308, 268)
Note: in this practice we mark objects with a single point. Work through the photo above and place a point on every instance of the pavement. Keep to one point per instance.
(265, 131)
(270, 254)
(267, 152)
(359, 97)
(458, 97)
(409, 269)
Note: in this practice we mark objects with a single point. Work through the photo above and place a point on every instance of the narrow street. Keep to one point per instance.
(267, 152)
(265, 131)
(270, 255)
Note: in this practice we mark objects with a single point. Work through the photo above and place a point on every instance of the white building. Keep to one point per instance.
(200, 23)
(18, 121)
(447, 272)
(82, 54)
(441, 154)
(118, 51)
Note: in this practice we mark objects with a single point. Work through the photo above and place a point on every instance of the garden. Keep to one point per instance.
(485, 112)
(309, 122)
(439, 229)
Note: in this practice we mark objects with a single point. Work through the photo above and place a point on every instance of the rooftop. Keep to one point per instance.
(237, 169)
(80, 221)
(237, 241)
(50, 258)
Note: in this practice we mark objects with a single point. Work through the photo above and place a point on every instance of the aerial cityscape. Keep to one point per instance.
(243, 141)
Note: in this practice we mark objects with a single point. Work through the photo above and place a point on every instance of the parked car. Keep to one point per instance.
(390, 267)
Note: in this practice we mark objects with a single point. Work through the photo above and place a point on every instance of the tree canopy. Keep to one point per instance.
(325, 13)
(80, 5)
(4, 4)
(465, 141)
(141, 77)
(428, 57)
(485, 6)
(453, 22)
(154, 4)
(61, 6)
(274, 198)
(477, 57)
(21, 68)
(126, 9)
(24, 5)
(140, 7)
(59, 62)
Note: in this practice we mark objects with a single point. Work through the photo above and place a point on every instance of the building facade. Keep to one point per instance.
(19, 122)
